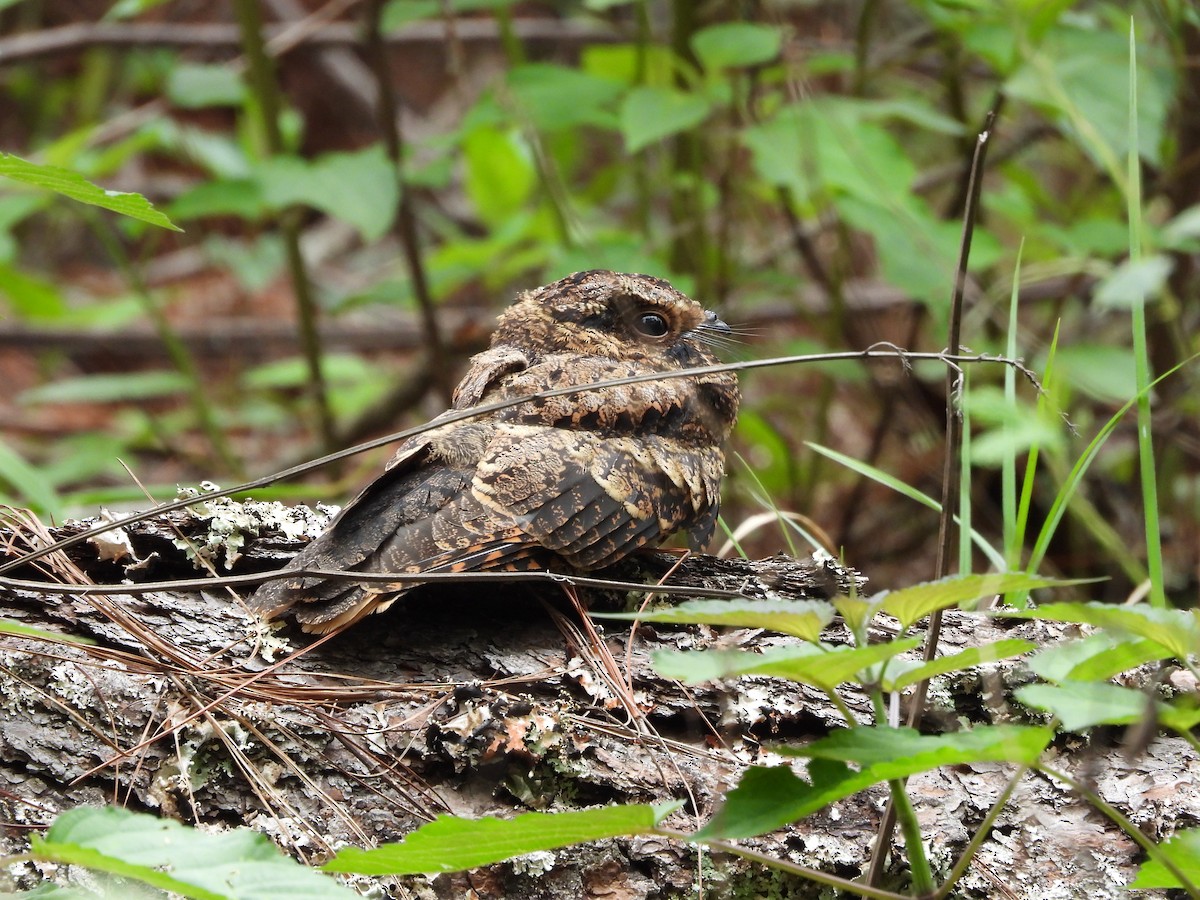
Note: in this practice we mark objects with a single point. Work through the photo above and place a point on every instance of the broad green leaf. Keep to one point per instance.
(827, 148)
(820, 665)
(338, 368)
(1176, 630)
(955, 662)
(1132, 281)
(557, 98)
(451, 844)
(769, 798)
(70, 184)
(911, 604)
(800, 618)
(30, 297)
(888, 753)
(650, 114)
(1183, 850)
(500, 176)
(240, 197)
(29, 483)
(1096, 657)
(1084, 704)
(733, 44)
(193, 86)
(360, 187)
(121, 388)
(238, 864)
(1102, 371)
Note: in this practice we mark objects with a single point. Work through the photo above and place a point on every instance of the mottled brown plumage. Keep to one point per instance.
(575, 482)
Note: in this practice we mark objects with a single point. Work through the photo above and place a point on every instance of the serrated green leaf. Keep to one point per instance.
(650, 114)
(955, 662)
(769, 798)
(1176, 630)
(238, 864)
(451, 844)
(888, 753)
(75, 186)
(1083, 704)
(800, 618)
(1096, 657)
(1183, 849)
(911, 604)
(816, 664)
(732, 44)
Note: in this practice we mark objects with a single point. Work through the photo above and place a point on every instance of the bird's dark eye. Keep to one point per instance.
(651, 324)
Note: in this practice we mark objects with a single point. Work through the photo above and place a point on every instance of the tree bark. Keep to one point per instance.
(480, 700)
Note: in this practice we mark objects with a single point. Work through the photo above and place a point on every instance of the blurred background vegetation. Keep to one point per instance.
(362, 185)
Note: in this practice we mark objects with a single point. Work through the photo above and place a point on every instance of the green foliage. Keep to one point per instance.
(239, 864)
(71, 184)
(449, 843)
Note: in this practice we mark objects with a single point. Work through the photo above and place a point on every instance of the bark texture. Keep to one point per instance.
(478, 700)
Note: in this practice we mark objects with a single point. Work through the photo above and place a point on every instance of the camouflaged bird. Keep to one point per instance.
(570, 483)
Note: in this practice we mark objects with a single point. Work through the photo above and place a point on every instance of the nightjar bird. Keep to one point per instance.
(570, 483)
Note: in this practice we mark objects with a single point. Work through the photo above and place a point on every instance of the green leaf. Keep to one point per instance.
(733, 44)
(956, 662)
(769, 798)
(69, 184)
(650, 114)
(451, 844)
(360, 188)
(239, 864)
(29, 483)
(500, 176)
(193, 86)
(911, 604)
(558, 98)
(1183, 850)
(240, 197)
(1096, 657)
(889, 753)
(1083, 704)
(121, 388)
(821, 665)
(800, 618)
(1133, 281)
(1176, 630)
(31, 298)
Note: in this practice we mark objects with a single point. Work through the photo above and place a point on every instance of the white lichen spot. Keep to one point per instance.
(537, 863)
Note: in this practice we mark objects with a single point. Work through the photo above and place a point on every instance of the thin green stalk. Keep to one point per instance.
(783, 865)
(964, 482)
(178, 353)
(918, 862)
(1013, 539)
(266, 94)
(980, 835)
(1152, 849)
(1141, 355)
